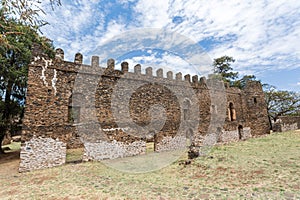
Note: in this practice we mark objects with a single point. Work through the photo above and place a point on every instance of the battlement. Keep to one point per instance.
(110, 69)
(136, 73)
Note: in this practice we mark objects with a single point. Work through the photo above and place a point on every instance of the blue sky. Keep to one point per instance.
(263, 36)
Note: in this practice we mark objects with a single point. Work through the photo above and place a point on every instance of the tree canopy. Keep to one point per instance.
(25, 12)
(18, 33)
(241, 83)
(223, 67)
(281, 102)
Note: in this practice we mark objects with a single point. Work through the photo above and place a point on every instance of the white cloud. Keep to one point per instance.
(154, 14)
(265, 32)
(168, 62)
(261, 35)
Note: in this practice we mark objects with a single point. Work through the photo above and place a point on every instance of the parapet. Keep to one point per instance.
(160, 73)
(137, 70)
(170, 75)
(59, 54)
(124, 67)
(95, 61)
(78, 58)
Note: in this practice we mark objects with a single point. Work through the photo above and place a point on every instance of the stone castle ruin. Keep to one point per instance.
(114, 113)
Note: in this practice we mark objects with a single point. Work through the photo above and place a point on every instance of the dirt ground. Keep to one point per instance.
(9, 163)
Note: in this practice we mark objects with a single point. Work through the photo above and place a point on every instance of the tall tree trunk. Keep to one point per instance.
(270, 121)
(2, 134)
(6, 114)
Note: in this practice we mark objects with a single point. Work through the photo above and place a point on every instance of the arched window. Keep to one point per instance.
(231, 112)
(255, 100)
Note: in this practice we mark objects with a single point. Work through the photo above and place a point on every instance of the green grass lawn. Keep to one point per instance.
(259, 168)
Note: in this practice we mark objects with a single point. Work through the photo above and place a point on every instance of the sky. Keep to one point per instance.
(263, 36)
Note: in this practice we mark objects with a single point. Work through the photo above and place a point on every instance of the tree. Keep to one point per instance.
(223, 67)
(19, 24)
(281, 102)
(25, 12)
(241, 83)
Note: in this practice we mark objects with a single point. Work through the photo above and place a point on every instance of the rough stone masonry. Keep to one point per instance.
(59, 114)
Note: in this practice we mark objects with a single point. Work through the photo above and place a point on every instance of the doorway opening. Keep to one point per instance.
(240, 131)
(151, 142)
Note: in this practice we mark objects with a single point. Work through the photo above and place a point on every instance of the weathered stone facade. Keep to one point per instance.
(110, 150)
(286, 123)
(92, 113)
(39, 153)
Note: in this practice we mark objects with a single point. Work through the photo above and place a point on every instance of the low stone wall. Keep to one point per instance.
(246, 133)
(39, 153)
(289, 127)
(229, 136)
(111, 150)
(171, 143)
(286, 123)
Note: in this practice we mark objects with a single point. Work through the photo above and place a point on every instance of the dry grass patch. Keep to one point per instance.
(259, 168)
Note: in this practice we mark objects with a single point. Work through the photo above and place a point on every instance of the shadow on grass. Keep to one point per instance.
(10, 156)
(12, 152)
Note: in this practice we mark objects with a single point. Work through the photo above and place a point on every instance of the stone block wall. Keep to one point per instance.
(111, 150)
(40, 153)
(235, 135)
(47, 101)
(172, 143)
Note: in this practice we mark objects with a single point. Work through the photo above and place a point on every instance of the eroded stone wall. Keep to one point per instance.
(169, 143)
(40, 153)
(249, 109)
(235, 135)
(286, 123)
(111, 150)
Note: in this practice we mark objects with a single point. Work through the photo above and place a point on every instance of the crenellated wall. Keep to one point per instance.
(113, 113)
